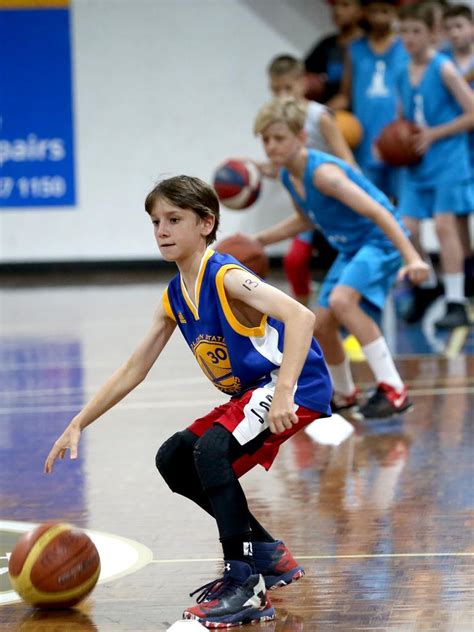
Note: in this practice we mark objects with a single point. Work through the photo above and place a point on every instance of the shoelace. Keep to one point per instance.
(214, 588)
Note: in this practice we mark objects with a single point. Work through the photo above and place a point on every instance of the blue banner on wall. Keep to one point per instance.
(36, 113)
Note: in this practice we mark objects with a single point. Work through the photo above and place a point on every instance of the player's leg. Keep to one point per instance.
(422, 295)
(328, 335)
(240, 595)
(175, 462)
(363, 286)
(297, 266)
(452, 263)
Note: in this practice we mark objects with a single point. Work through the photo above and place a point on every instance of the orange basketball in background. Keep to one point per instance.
(248, 251)
(54, 566)
(350, 127)
(396, 144)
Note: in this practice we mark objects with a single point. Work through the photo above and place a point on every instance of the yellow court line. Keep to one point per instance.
(327, 557)
(456, 342)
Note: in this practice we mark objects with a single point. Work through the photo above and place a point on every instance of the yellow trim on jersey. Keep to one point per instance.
(33, 4)
(165, 299)
(197, 288)
(231, 319)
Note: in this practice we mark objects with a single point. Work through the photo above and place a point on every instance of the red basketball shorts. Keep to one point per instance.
(246, 418)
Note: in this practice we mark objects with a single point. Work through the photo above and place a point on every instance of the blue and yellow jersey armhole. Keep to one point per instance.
(167, 305)
(231, 319)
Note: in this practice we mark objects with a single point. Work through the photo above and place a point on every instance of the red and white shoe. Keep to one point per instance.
(386, 401)
(345, 403)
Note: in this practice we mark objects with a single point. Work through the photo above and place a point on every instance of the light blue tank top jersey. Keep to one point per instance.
(374, 97)
(346, 230)
(470, 67)
(431, 103)
(234, 357)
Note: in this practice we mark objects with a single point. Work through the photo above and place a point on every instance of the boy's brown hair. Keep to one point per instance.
(420, 11)
(285, 65)
(189, 193)
(458, 11)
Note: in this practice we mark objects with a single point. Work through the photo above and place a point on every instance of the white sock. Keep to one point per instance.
(432, 280)
(454, 287)
(381, 362)
(341, 377)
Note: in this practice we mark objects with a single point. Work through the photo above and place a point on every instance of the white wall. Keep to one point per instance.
(161, 87)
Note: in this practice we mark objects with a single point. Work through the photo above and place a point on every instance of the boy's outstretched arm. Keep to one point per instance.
(299, 324)
(124, 380)
(332, 181)
(289, 227)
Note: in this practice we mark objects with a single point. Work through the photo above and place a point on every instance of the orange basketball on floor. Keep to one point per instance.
(54, 566)
(350, 127)
(248, 251)
(395, 144)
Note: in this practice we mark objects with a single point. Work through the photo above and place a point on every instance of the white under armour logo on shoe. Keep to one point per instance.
(227, 567)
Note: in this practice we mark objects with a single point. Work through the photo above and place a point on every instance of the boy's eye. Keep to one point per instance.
(174, 220)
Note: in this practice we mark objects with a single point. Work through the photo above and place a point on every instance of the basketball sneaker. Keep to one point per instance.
(275, 562)
(385, 402)
(239, 597)
(345, 403)
(456, 316)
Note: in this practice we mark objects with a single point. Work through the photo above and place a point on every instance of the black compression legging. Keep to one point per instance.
(200, 468)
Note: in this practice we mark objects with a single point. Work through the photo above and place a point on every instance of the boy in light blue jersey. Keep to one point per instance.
(459, 29)
(435, 97)
(368, 88)
(255, 344)
(361, 223)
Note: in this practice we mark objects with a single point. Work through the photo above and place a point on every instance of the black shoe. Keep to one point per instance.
(422, 299)
(456, 316)
(385, 402)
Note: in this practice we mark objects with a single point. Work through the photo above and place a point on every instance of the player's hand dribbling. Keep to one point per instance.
(281, 416)
(69, 440)
(417, 272)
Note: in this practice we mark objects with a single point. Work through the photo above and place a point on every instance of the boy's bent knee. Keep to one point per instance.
(212, 458)
(341, 301)
(174, 450)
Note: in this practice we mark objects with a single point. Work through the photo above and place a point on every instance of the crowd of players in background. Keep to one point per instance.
(387, 61)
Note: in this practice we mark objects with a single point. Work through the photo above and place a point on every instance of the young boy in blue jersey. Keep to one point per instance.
(459, 29)
(254, 343)
(368, 87)
(433, 95)
(360, 222)
(286, 76)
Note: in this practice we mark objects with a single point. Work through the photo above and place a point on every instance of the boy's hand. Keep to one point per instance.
(268, 170)
(422, 140)
(282, 415)
(417, 272)
(69, 440)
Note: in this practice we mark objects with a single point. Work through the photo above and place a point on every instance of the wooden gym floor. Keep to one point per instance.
(382, 523)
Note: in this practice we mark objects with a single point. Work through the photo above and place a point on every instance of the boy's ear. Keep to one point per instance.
(207, 223)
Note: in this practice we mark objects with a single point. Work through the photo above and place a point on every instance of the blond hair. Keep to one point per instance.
(286, 110)
(285, 65)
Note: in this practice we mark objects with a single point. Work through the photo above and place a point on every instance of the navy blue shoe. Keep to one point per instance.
(239, 597)
(275, 562)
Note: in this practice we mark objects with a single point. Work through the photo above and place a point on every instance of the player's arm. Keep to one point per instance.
(124, 380)
(342, 100)
(299, 325)
(333, 182)
(464, 95)
(334, 138)
(289, 227)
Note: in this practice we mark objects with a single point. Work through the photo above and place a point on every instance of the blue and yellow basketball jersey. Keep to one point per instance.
(346, 230)
(235, 357)
(374, 97)
(430, 103)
